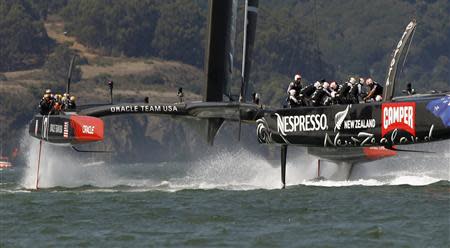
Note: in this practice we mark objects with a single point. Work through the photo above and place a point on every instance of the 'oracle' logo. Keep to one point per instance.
(88, 129)
(398, 116)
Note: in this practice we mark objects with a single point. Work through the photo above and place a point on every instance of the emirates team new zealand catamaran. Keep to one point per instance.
(343, 133)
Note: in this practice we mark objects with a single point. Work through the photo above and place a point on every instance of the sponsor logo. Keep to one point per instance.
(143, 108)
(441, 108)
(87, 129)
(398, 116)
(301, 123)
(66, 129)
(359, 124)
(56, 128)
(339, 119)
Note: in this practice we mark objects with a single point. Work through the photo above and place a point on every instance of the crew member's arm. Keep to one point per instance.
(290, 87)
(371, 93)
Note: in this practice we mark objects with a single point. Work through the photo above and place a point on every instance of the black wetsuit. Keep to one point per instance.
(71, 105)
(306, 94)
(378, 90)
(355, 93)
(297, 86)
(308, 90)
(45, 106)
(343, 93)
(317, 96)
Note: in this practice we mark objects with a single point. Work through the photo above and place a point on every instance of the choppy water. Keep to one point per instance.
(226, 199)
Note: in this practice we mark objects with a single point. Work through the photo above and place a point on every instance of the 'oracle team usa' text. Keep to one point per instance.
(143, 108)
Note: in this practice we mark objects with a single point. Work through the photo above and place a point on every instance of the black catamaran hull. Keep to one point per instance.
(416, 120)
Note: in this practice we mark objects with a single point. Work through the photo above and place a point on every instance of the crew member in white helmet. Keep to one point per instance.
(295, 85)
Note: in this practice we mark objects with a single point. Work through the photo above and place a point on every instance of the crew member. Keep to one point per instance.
(326, 100)
(355, 90)
(46, 105)
(375, 90)
(58, 98)
(409, 90)
(317, 96)
(49, 92)
(295, 85)
(293, 101)
(65, 101)
(343, 93)
(255, 98)
(326, 88)
(71, 105)
(180, 94)
(56, 110)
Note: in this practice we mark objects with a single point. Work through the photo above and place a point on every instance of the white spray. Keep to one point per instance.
(236, 169)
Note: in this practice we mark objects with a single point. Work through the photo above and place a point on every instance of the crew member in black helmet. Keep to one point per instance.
(46, 105)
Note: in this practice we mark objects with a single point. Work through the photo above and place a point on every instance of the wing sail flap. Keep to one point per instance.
(396, 55)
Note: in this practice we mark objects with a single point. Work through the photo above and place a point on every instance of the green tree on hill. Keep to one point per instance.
(58, 64)
(23, 40)
(115, 27)
(180, 32)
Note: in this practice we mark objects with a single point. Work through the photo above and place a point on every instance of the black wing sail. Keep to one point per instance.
(251, 15)
(396, 55)
(219, 57)
(219, 51)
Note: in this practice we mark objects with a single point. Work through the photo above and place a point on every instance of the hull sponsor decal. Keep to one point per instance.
(54, 128)
(301, 123)
(441, 108)
(66, 130)
(340, 117)
(87, 128)
(341, 123)
(398, 116)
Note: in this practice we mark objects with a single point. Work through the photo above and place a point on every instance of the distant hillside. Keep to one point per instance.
(135, 79)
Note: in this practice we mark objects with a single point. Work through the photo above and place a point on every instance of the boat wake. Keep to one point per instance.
(401, 180)
(227, 170)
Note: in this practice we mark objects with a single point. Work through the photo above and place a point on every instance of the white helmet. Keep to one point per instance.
(326, 85)
(317, 84)
(352, 80)
(296, 77)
